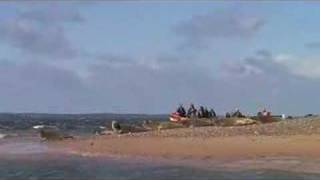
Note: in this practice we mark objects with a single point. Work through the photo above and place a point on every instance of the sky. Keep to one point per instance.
(148, 57)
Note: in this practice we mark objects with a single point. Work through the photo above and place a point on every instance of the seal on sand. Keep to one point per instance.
(116, 127)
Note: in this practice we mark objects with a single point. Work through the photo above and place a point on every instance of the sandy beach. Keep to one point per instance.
(201, 148)
(287, 145)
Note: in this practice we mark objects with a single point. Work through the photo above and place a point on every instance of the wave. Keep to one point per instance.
(3, 135)
(38, 127)
(44, 127)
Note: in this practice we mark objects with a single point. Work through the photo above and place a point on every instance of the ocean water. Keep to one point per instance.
(40, 167)
(12, 124)
(30, 159)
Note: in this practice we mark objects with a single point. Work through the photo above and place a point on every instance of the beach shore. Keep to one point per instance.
(283, 145)
(200, 148)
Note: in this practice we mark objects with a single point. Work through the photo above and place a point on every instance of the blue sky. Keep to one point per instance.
(147, 57)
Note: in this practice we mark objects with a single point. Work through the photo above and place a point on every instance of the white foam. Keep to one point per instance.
(38, 127)
(2, 136)
(44, 126)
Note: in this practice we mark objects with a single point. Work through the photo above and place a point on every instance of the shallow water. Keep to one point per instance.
(48, 166)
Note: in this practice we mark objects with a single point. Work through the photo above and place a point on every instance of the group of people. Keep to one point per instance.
(265, 116)
(236, 113)
(264, 113)
(202, 112)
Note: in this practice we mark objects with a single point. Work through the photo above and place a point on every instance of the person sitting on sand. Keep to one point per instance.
(264, 116)
(181, 111)
(201, 112)
(259, 114)
(213, 113)
(264, 112)
(192, 111)
(206, 113)
(237, 114)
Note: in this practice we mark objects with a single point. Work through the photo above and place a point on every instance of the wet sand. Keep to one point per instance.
(199, 148)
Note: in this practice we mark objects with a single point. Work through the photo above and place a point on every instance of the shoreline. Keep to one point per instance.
(296, 153)
(197, 147)
(287, 145)
(290, 145)
(300, 137)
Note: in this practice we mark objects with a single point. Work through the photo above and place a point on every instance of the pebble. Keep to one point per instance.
(284, 127)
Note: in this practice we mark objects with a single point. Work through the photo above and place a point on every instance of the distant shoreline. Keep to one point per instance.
(91, 113)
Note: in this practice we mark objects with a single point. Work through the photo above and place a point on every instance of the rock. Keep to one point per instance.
(50, 134)
(256, 133)
(244, 121)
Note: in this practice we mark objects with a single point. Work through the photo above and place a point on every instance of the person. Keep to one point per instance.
(259, 114)
(228, 115)
(264, 112)
(206, 113)
(237, 113)
(192, 111)
(265, 116)
(181, 111)
(213, 113)
(201, 112)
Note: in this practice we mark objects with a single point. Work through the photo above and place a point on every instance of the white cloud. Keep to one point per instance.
(40, 32)
(200, 30)
(308, 67)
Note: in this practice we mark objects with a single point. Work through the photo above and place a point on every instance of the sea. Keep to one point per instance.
(23, 156)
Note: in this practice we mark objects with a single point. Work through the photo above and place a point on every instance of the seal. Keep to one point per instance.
(116, 128)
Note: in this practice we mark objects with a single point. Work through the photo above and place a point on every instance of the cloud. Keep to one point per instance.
(40, 32)
(153, 62)
(137, 88)
(242, 69)
(284, 83)
(261, 64)
(275, 65)
(258, 83)
(200, 30)
(133, 87)
(113, 60)
(149, 83)
(307, 67)
(39, 87)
